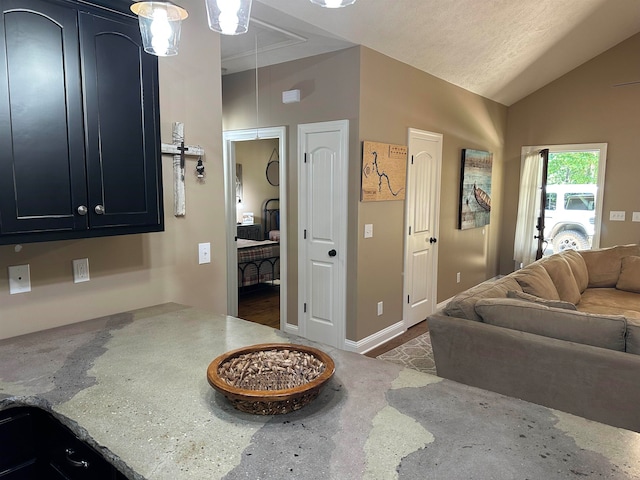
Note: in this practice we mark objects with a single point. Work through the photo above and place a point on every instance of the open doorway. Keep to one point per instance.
(255, 179)
(561, 195)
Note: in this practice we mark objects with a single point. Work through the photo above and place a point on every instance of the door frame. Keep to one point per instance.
(229, 138)
(436, 227)
(602, 165)
(343, 127)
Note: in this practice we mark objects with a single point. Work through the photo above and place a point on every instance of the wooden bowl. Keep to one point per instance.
(263, 397)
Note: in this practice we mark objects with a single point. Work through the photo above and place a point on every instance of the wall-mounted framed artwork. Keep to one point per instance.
(475, 189)
(384, 171)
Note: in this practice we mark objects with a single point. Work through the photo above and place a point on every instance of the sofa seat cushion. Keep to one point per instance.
(605, 331)
(604, 264)
(463, 304)
(611, 301)
(535, 280)
(562, 277)
(629, 279)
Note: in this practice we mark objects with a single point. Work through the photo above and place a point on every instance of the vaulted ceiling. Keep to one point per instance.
(500, 49)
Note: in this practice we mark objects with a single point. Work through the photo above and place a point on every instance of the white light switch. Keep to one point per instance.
(19, 279)
(368, 230)
(204, 253)
(617, 216)
(635, 217)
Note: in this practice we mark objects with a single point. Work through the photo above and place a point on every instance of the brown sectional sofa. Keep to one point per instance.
(563, 332)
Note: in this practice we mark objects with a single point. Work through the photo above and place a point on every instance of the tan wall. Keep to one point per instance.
(254, 156)
(329, 91)
(584, 106)
(393, 98)
(134, 271)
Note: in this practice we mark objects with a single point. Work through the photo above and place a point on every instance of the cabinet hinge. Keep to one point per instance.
(408, 299)
(305, 233)
(305, 307)
(305, 157)
(411, 159)
(409, 229)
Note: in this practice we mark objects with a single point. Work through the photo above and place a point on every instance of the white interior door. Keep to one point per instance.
(323, 154)
(421, 224)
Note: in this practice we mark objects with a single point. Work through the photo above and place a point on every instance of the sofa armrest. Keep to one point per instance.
(591, 382)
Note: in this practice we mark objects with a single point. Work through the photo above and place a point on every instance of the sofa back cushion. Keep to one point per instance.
(578, 267)
(535, 280)
(562, 277)
(604, 264)
(463, 304)
(629, 279)
(633, 336)
(605, 331)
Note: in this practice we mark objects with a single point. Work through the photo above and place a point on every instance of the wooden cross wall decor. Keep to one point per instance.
(179, 150)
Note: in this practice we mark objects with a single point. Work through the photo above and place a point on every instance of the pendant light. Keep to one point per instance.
(333, 3)
(160, 24)
(228, 17)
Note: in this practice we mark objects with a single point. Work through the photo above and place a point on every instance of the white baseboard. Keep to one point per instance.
(291, 328)
(375, 340)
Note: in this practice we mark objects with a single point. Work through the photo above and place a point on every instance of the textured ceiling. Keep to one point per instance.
(500, 49)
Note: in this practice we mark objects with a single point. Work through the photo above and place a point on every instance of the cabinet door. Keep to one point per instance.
(122, 123)
(42, 177)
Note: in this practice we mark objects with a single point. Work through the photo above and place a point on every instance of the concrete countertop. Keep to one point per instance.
(134, 385)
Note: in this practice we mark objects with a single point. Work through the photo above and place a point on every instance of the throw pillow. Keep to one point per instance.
(605, 331)
(578, 267)
(548, 303)
(604, 264)
(562, 276)
(535, 280)
(629, 279)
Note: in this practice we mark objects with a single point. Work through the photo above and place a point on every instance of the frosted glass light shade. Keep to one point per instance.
(333, 3)
(229, 17)
(160, 25)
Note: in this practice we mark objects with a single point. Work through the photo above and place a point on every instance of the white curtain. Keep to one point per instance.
(525, 246)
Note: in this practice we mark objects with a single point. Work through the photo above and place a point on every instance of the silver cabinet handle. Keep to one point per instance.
(82, 210)
(99, 209)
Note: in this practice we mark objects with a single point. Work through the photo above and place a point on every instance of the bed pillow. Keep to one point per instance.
(605, 331)
(541, 301)
(629, 279)
(562, 277)
(535, 280)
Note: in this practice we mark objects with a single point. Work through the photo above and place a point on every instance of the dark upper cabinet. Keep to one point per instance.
(79, 124)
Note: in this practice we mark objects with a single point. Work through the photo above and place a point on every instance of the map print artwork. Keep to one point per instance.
(384, 169)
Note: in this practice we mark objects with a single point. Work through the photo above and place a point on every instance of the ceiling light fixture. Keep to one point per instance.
(333, 3)
(160, 24)
(228, 17)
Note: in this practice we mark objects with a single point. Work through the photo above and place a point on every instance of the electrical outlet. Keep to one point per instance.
(380, 308)
(635, 217)
(204, 253)
(368, 230)
(458, 277)
(81, 270)
(19, 279)
(617, 216)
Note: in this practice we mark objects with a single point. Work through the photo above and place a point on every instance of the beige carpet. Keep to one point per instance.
(416, 354)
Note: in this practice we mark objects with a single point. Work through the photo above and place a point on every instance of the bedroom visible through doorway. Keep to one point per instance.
(256, 228)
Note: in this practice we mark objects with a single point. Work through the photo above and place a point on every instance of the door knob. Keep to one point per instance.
(332, 253)
(433, 240)
(82, 210)
(99, 209)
